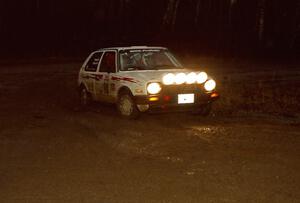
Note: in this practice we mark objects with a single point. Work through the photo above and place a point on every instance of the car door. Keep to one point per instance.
(89, 74)
(108, 67)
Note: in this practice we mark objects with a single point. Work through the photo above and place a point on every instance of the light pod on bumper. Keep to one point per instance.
(180, 78)
(210, 85)
(169, 79)
(201, 77)
(191, 78)
(154, 88)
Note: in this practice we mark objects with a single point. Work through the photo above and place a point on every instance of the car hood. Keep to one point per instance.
(151, 75)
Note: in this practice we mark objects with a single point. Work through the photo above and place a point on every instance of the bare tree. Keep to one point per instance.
(169, 19)
(261, 19)
(37, 5)
(123, 6)
(296, 32)
(122, 13)
(198, 6)
(232, 3)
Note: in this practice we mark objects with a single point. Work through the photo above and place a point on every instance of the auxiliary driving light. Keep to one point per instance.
(154, 88)
(152, 99)
(169, 79)
(180, 78)
(210, 85)
(191, 78)
(201, 77)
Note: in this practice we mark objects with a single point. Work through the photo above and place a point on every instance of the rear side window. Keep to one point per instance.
(92, 64)
(108, 63)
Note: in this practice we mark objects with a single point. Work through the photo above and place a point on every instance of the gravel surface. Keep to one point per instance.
(50, 151)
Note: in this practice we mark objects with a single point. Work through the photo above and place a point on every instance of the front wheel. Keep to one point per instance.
(127, 107)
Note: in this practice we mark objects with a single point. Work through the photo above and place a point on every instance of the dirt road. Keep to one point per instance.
(51, 152)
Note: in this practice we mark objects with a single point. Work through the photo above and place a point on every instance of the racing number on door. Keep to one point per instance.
(108, 66)
(106, 85)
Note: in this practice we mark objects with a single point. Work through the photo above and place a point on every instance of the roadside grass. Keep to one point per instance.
(245, 87)
(251, 86)
(258, 97)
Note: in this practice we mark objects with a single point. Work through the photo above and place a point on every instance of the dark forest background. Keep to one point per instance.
(210, 27)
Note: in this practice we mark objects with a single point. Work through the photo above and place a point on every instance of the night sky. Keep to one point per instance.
(218, 27)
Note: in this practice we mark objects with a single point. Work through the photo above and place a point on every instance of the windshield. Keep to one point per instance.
(147, 60)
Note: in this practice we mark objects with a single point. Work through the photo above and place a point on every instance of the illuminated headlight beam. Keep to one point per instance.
(154, 88)
(191, 78)
(210, 85)
(201, 77)
(180, 78)
(169, 79)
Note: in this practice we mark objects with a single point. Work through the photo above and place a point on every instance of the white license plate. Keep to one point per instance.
(186, 98)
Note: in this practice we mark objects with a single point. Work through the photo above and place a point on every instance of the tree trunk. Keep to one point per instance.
(261, 19)
(166, 18)
(296, 33)
(232, 2)
(198, 6)
(169, 19)
(123, 6)
(37, 5)
(175, 14)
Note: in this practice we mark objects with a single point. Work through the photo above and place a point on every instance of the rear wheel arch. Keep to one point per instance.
(81, 86)
(85, 97)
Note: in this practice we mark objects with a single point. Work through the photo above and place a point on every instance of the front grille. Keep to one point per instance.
(182, 89)
(173, 90)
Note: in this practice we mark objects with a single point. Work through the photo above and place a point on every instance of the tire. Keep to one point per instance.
(85, 98)
(127, 107)
(204, 110)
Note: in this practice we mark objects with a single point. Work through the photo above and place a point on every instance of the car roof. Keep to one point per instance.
(131, 47)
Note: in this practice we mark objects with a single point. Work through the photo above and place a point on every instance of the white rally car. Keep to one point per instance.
(144, 79)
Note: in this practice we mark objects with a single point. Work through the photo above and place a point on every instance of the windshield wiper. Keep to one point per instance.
(133, 67)
(164, 66)
(136, 67)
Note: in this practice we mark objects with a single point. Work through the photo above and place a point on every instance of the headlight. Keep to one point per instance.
(201, 77)
(210, 85)
(169, 79)
(154, 88)
(180, 78)
(191, 78)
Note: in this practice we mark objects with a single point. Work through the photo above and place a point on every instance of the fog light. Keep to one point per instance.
(153, 99)
(214, 95)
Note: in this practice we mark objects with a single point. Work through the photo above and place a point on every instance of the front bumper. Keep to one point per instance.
(167, 99)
